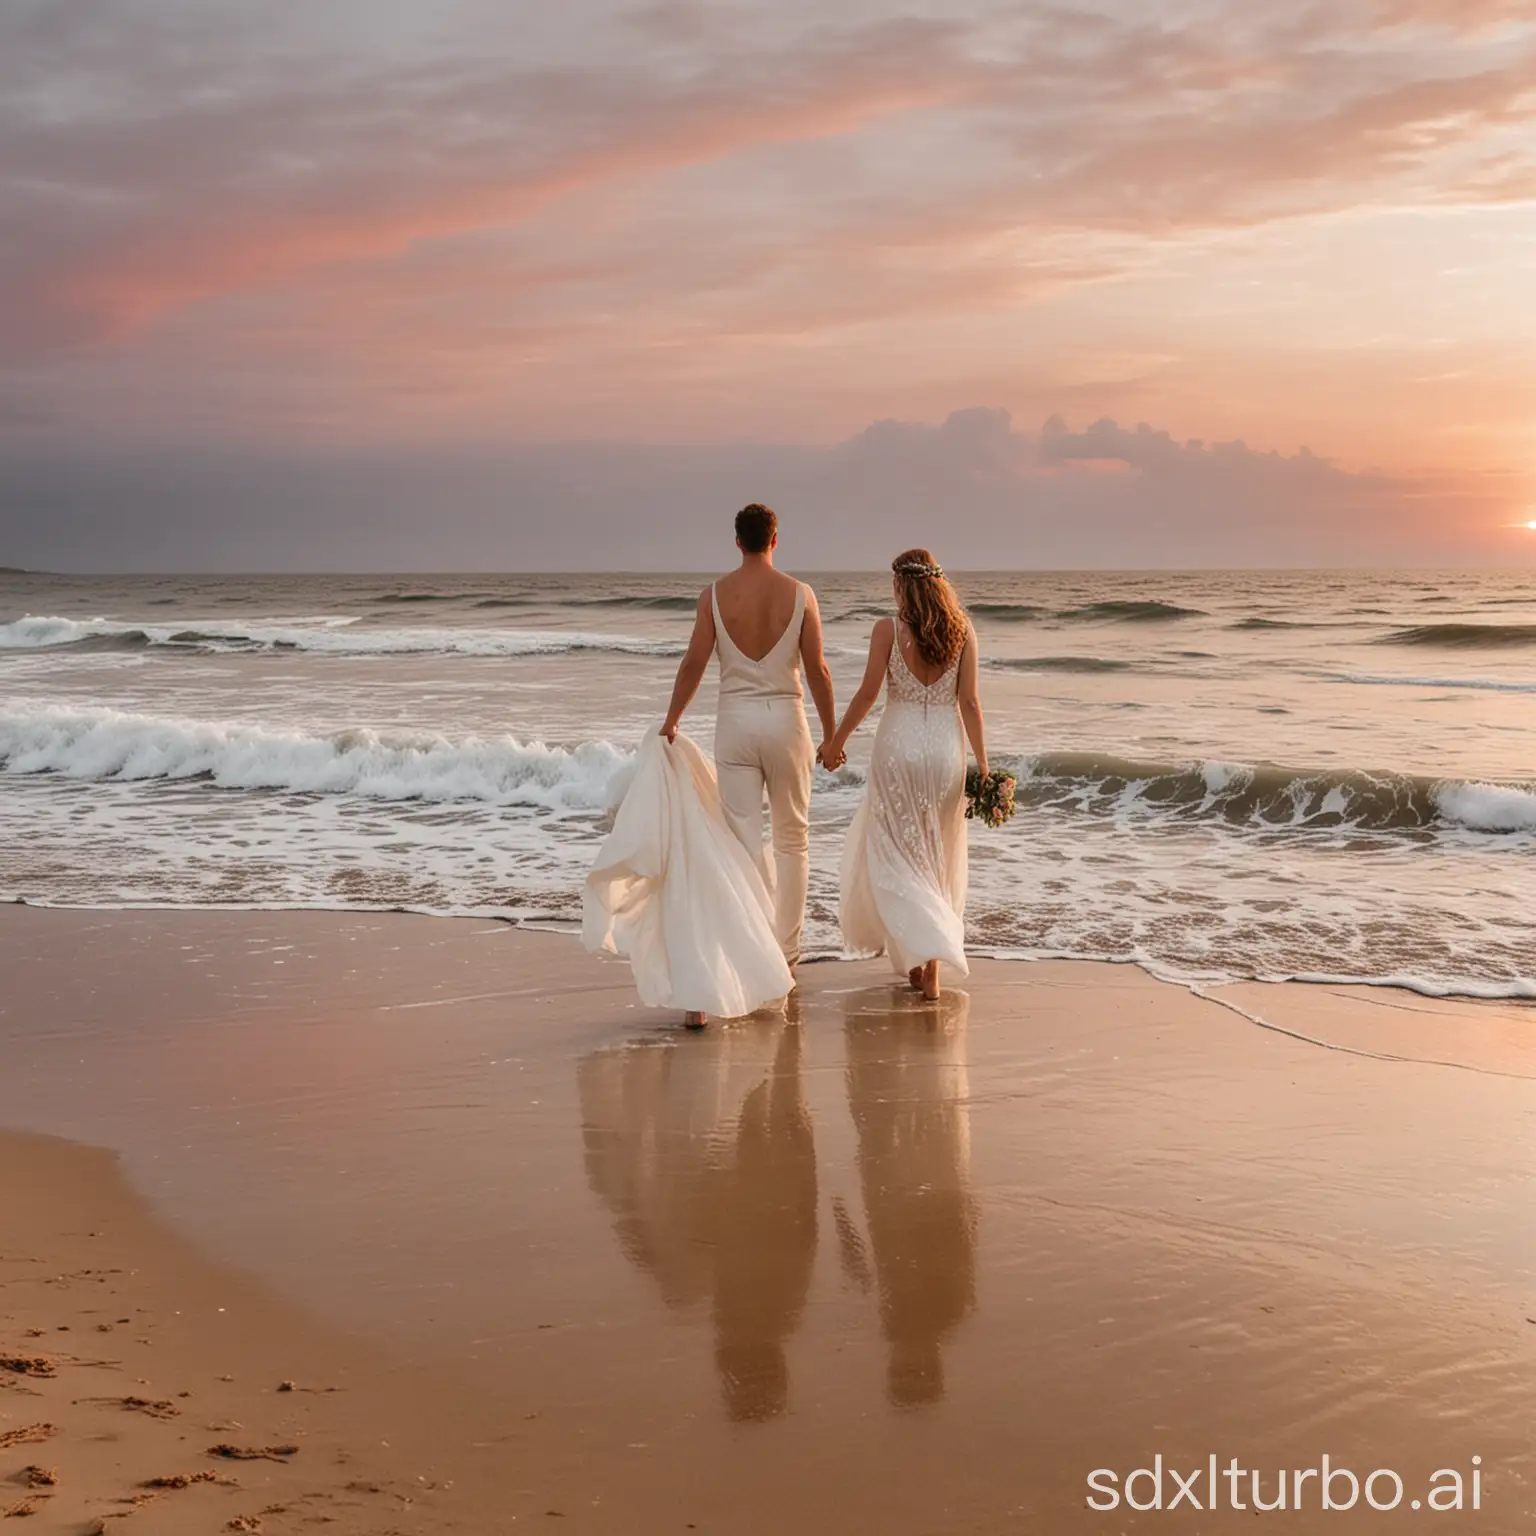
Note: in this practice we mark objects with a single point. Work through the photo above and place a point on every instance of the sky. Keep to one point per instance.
(469, 282)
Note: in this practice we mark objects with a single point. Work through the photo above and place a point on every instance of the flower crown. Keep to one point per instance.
(923, 568)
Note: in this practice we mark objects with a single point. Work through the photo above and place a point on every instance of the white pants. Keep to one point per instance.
(766, 744)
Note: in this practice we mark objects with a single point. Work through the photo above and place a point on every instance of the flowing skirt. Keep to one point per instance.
(675, 892)
(905, 863)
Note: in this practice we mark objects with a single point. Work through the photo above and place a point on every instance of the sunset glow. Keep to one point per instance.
(695, 228)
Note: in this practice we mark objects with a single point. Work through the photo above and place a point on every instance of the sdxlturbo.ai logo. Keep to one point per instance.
(1330, 1487)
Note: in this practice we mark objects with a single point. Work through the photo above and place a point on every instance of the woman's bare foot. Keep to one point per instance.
(915, 978)
(693, 1021)
(930, 982)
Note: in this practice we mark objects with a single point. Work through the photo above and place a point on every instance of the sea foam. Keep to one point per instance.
(323, 636)
(109, 744)
(1487, 807)
(1269, 797)
(113, 744)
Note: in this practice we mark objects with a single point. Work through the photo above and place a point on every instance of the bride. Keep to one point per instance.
(904, 866)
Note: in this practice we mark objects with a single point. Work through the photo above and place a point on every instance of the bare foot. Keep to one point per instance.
(693, 1021)
(930, 983)
(915, 978)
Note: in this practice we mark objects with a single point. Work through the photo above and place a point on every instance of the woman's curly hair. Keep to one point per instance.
(929, 607)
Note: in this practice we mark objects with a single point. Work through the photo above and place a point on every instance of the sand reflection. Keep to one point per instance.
(908, 1093)
(702, 1149)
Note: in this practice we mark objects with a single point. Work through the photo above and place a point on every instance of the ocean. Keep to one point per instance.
(1324, 776)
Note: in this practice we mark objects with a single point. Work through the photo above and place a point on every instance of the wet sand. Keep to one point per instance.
(877, 1265)
(141, 1383)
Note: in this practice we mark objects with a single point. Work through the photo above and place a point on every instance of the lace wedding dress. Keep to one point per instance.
(905, 863)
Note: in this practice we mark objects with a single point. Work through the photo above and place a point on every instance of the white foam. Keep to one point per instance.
(113, 744)
(1521, 988)
(1487, 807)
(32, 632)
(1220, 777)
(1490, 685)
(1518, 989)
(325, 636)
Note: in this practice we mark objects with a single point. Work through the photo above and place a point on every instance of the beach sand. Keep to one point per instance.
(873, 1266)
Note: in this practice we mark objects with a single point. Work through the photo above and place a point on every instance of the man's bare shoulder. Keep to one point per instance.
(755, 585)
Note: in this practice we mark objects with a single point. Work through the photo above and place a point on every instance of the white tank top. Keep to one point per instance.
(777, 675)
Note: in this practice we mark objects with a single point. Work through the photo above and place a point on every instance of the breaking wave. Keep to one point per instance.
(669, 602)
(329, 637)
(111, 744)
(418, 597)
(96, 744)
(1257, 623)
(1059, 664)
(1464, 636)
(662, 602)
(1128, 611)
(1009, 613)
(1484, 684)
(1267, 796)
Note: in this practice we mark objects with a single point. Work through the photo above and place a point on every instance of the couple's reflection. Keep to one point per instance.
(703, 1151)
(907, 1090)
(702, 1148)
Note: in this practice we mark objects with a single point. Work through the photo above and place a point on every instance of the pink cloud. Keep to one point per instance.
(227, 228)
(726, 220)
(1078, 120)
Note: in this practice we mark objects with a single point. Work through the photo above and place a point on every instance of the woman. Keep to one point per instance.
(904, 867)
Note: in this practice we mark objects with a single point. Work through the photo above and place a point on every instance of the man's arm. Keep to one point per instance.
(695, 662)
(881, 639)
(818, 675)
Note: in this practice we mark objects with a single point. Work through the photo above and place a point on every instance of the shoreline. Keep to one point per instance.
(1514, 993)
(876, 1265)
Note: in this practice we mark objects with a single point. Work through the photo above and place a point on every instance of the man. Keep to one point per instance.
(766, 628)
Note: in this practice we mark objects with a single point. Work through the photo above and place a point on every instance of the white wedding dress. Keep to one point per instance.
(674, 891)
(905, 863)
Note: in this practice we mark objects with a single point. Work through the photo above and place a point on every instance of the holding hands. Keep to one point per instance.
(830, 754)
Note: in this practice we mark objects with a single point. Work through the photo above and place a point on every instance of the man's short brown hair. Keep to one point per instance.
(756, 528)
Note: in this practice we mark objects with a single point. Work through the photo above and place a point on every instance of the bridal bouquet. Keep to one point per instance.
(989, 800)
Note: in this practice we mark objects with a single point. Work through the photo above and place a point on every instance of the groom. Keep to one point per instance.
(766, 628)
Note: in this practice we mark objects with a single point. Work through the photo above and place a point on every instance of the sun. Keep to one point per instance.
(1532, 525)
